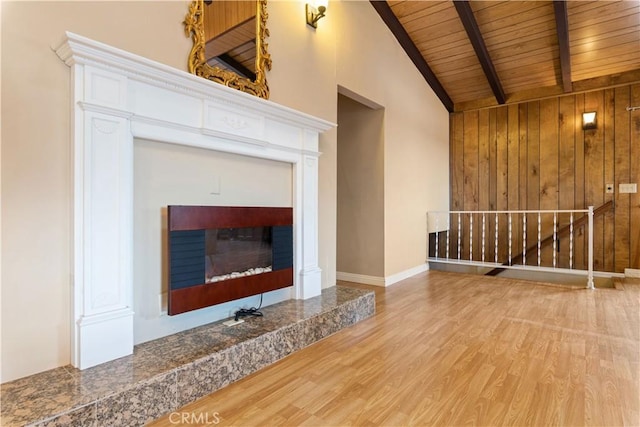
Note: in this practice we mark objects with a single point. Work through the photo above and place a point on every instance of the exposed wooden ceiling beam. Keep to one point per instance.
(389, 18)
(475, 37)
(562, 28)
(236, 66)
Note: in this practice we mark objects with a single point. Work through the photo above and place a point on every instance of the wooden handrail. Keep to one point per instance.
(549, 239)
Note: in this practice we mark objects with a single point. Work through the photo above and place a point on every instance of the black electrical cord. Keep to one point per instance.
(253, 311)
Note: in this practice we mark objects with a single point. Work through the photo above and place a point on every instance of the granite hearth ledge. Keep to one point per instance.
(166, 374)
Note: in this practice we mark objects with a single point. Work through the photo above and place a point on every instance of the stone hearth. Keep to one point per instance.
(166, 374)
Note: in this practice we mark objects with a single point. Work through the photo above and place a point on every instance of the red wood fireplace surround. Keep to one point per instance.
(187, 226)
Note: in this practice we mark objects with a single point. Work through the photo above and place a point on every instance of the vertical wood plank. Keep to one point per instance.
(483, 180)
(622, 175)
(471, 151)
(457, 176)
(608, 250)
(548, 169)
(502, 178)
(634, 211)
(513, 147)
(533, 176)
(594, 172)
(566, 168)
(493, 159)
(523, 174)
(522, 161)
(579, 240)
(493, 181)
(457, 158)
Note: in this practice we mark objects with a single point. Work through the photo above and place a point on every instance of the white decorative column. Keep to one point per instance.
(310, 273)
(117, 97)
(103, 212)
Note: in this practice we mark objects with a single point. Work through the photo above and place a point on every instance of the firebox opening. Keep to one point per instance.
(237, 252)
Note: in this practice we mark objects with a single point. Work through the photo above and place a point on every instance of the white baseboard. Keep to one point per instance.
(395, 278)
(360, 278)
(382, 281)
(632, 272)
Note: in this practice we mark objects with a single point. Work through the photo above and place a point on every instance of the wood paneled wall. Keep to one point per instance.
(535, 155)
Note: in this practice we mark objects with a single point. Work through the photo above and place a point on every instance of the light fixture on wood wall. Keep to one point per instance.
(316, 12)
(589, 120)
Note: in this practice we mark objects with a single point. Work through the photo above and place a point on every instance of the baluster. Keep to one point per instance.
(555, 237)
(571, 242)
(495, 255)
(448, 227)
(470, 237)
(459, 236)
(590, 284)
(483, 236)
(539, 244)
(437, 236)
(510, 236)
(524, 239)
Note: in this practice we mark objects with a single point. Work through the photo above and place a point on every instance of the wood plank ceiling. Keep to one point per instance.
(477, 54)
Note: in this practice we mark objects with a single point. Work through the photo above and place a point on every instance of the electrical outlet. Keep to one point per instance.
(233, 322)
(628, 188)
(609, 188)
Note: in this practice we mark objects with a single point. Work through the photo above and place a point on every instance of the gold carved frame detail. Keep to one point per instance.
(194, 28)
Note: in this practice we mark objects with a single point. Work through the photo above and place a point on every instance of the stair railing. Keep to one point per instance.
(456, 229)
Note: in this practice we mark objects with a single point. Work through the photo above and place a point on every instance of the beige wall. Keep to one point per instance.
(360, 162)
(416, 173)
(351, 48)
(36, 172)
(371, 63)
(303, 77)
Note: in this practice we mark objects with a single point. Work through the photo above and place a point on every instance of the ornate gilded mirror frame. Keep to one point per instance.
(194, 28)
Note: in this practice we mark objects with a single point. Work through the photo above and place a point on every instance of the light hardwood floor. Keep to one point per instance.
(445, 349)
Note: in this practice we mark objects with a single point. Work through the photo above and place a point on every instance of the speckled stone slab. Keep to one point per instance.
(166, 374)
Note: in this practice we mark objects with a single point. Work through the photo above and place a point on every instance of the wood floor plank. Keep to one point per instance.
(450, 349)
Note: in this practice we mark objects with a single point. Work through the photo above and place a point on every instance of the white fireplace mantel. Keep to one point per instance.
(116, 97)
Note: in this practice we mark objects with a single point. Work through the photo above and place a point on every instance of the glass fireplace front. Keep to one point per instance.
(237, 252)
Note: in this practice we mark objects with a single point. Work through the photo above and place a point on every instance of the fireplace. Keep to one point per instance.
(219, 254)
(117, 97)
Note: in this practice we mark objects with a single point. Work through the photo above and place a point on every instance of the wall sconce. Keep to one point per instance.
(589, 120)
(316, 12)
